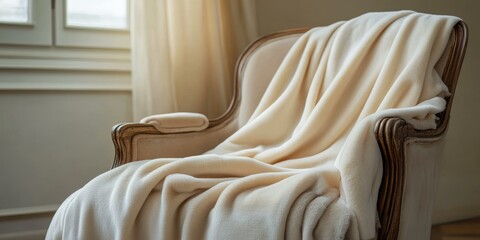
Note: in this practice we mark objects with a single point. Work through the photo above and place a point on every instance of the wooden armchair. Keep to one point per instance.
(410, 157)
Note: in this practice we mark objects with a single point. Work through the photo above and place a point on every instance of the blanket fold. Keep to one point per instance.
(305, 166)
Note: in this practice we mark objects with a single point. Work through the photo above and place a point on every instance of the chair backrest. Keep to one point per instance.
(258, 65)
(261, 59)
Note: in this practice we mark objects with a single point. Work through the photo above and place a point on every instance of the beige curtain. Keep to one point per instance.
(184, 53)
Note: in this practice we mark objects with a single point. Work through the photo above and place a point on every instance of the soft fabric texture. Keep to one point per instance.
(177, 122)
(184, 53)
(306, 165)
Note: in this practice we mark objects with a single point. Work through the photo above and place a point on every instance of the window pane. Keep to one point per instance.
(97, 13)
(14, 11)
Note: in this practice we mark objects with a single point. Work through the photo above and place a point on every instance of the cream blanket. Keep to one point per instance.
(305, 166)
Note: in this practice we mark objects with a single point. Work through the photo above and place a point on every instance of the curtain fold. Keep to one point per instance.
(184, 53)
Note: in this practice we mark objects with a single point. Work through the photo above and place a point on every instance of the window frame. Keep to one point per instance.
(29, 17)
(37, 32)
(43, 58)
(90, 37)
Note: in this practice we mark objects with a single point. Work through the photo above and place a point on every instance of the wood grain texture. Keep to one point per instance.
(122, 137)
(391, 134)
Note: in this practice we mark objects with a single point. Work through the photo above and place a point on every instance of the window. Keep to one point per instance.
(110, 14)
(15, 11)
(64, 44)
(76, 23)
(25, 22)
(92, 23)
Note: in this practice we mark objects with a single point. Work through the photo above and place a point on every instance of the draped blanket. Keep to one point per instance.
(305, 166)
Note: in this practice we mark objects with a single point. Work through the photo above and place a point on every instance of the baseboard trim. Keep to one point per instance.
(12, 212)
(26, 223)
(25, 235)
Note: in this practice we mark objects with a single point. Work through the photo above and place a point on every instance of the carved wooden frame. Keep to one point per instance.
(391, 133)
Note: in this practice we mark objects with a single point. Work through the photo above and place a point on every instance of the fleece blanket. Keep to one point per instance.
(305, 166)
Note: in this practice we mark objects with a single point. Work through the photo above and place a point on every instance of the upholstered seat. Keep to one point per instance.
(410, 157)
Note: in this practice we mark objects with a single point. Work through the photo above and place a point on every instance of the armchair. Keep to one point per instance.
(410, 157)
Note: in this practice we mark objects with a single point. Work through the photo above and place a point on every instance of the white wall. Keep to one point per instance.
(459, 188)
(55, 141)
(52, 142)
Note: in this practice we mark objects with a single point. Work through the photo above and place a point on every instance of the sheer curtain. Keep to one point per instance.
(184, 53)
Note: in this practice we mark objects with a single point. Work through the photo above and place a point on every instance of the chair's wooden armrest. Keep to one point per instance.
(132, 140)
(122, 135)
(392, 134)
